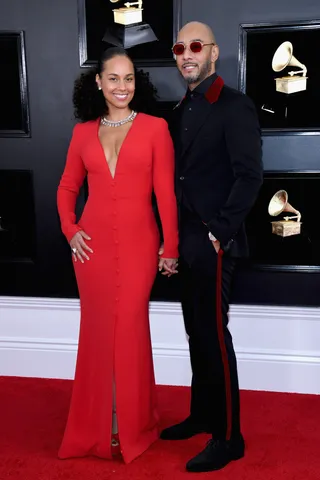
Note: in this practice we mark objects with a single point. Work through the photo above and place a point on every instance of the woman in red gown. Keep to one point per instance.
(115, 244)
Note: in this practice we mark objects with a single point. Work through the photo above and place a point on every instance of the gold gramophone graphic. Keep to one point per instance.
(286, 227)
(129, 29)
(292, 82)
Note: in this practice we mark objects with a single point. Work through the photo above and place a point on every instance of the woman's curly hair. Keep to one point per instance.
(89, 102)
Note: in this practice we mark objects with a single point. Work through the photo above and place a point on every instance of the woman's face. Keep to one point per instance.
(117, 81)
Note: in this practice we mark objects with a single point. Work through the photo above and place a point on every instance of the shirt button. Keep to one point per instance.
(190, 109)
(181, 178)
(186, 129)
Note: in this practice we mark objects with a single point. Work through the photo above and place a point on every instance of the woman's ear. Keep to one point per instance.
(98, 81)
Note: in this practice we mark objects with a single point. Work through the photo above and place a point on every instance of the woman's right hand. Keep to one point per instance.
(78, 246)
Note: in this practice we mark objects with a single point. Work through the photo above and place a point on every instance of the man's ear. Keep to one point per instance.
(215, 53)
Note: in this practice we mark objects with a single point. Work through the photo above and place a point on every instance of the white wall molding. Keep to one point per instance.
(278, 348)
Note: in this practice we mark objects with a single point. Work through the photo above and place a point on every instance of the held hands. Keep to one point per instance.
(78, 246)
(167, 266)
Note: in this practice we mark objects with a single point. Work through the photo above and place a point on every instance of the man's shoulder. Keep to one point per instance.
(231, 95)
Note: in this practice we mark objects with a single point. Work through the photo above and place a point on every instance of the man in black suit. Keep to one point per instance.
(218, 174)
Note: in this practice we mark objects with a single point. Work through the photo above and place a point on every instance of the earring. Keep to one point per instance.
(99, 88)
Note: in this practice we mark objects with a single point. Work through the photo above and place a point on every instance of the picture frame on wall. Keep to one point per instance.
(95, 17)
(280, 71)
(281, 250)
(17, 216)
(14, 121)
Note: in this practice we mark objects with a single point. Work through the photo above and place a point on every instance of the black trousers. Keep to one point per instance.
(205, 291)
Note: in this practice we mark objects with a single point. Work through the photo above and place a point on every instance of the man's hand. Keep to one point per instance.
(216, 245)
(168, 266)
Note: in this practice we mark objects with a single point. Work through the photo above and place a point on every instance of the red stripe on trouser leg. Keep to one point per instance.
(223, 348)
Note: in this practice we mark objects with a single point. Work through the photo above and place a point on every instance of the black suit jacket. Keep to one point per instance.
(218, 170)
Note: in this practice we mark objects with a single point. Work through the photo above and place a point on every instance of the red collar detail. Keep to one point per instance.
(213, 92)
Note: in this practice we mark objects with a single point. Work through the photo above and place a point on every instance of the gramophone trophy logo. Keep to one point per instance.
(288, 226)
(129, 29)
(292, 82)
(129, 14)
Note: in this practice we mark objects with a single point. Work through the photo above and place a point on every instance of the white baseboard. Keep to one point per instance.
(278, 348)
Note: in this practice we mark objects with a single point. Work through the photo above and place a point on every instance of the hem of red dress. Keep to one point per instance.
(83, 454)
(135, 451)
(142, 447)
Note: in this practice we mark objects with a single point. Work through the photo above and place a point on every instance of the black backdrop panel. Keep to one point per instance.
(295, 113)
(14, 121)
(95, 17)
(17, 217)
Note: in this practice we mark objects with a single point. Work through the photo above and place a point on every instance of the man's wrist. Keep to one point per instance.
(212, 237)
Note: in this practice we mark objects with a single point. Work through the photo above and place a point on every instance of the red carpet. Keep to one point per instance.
(282, 433)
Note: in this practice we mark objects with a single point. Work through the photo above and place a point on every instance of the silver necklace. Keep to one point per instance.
(110, 123)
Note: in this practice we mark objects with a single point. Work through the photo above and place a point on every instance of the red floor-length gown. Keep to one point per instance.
(115, 284)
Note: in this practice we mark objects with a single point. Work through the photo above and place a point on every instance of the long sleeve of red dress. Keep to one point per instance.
(163, 183)
(69, 186)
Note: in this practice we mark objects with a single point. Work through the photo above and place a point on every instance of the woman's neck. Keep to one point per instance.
(117, 114)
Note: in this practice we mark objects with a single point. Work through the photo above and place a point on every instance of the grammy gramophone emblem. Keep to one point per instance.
(129, 29)
(288, 226)
(128, 15)
(292, 82)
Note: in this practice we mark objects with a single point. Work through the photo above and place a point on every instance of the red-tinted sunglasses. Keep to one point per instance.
(195, 47)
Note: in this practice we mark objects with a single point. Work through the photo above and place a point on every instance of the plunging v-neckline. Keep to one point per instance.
(120, 149)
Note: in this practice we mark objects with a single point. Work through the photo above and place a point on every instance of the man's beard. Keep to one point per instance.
(201, 75)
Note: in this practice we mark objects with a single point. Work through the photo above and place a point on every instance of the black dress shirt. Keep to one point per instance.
(190, 110)
(192, 106)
